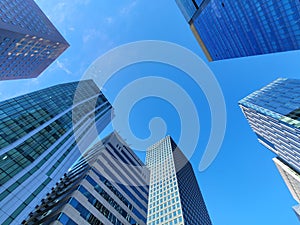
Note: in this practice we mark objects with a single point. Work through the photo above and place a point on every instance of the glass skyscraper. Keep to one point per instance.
(29, 42)
(107, 185)
(230, 29)
(41, 135)
(174, 195)
(273, 113)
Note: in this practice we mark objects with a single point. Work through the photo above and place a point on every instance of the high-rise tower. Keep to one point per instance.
(174, 195)
(108, 185)
(273, 113)
(29, 42)
(230, 29)
(41, 135)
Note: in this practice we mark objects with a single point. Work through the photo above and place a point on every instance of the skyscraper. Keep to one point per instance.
(274, 115)
(230, 29)
(41, 136)
(29, 42)
(292, 180)
(107, 185)
(174, 195)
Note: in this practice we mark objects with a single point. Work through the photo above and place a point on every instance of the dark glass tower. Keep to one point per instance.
(273, 113)
(175, 197)
(29, 42)
(41, 136)
(108, 185)
(230, 29)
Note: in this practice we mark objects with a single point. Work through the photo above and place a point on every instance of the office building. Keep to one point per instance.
(297, 211)
(174, 195)
(41, 135)
(290, 177)
(230, 29)
(274, 115)
(29, 42)
(292, 180)
(107, 185)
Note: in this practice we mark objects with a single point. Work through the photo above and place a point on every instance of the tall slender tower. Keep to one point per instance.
(230, 29)
(29, 42)
(108, 185)
(273, 113)
(174, 195)
(41, 135)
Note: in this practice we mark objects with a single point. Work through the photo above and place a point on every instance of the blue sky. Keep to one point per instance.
(242, 186)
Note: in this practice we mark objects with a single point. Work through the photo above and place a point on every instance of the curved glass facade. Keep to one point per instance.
(38, 142)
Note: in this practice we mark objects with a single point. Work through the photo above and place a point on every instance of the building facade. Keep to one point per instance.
(174, 195)
(230, 29)
(107, 185)
(29, 42)
(41, 135)
(273, 113)
(292, 180)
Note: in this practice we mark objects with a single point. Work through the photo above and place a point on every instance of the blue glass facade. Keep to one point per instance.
(107, 185)
(230, 29)
(29, 42)
(188, 8)
(281, 97)
(38, 144)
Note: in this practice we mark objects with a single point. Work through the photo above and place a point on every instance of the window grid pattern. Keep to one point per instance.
(98, 204)
(164, 206)
(232, 29)
(31, 111)
(273, 113)
(277, 125)
(25, 15)
(21, 119)
(188, 8)
(117, 193)
(193, 206)
(291, 178)
(122, 212)
(27, 56)
(100, 193)
(284, 139)
(28, 42)
(277, 99)
(91, 218)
